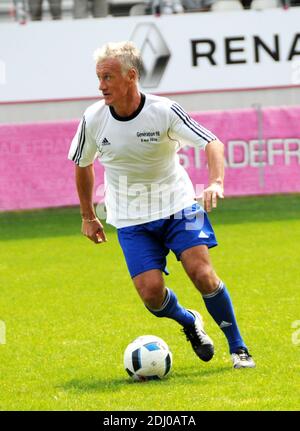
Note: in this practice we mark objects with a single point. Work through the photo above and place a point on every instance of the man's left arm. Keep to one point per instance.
(185, 130)
(215, 159)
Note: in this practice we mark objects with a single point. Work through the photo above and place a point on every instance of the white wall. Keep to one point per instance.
(255, 53)
(67, 110)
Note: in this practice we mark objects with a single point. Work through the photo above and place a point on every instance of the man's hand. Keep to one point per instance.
(93, 229)
(211, 195)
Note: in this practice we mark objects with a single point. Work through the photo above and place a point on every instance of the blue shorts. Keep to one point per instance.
(146, 246)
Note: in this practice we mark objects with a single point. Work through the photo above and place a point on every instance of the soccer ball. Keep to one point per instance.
(147, 358)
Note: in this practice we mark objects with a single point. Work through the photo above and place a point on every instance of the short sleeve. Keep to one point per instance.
(83, 149)
(187, 130)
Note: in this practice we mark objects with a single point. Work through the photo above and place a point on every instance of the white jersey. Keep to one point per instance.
(144, 180)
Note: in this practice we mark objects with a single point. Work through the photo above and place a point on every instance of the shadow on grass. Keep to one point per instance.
(185, 376)
(196, 372)
(95, 385)
(56, 222)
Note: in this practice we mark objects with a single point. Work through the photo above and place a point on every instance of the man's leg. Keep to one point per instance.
(99, 8)
(35, 9)
(55, 9)
(162, 302)
(80, 9)
(197, 264)
(145, 255)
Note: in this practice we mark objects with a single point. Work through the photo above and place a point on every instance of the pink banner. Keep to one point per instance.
(262, 150)
(262, 157)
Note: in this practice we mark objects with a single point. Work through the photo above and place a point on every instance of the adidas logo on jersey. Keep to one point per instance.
(105, 141)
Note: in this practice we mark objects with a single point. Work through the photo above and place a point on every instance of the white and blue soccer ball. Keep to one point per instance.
(147, 358)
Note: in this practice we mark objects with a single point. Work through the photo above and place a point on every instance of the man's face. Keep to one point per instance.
(113, 83)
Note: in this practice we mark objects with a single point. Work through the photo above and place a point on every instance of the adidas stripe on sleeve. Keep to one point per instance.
(83, 148)
(188, 130)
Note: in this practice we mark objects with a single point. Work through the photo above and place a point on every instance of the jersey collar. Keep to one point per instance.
(133, 115)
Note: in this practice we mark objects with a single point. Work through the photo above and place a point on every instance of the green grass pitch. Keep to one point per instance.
(70, 310)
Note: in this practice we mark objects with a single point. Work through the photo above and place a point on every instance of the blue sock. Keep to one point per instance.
(220, 307)
(173, 310)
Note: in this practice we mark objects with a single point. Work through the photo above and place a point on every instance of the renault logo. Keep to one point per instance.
(155, 53)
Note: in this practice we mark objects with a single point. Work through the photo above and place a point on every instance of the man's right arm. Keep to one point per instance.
(91, 225)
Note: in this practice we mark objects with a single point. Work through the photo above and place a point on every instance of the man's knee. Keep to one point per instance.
(152, 295)
(151, 290)
(204, 278)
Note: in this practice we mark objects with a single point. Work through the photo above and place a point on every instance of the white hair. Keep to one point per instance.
(126, 52)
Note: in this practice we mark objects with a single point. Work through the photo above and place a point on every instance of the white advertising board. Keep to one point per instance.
(181, 53)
